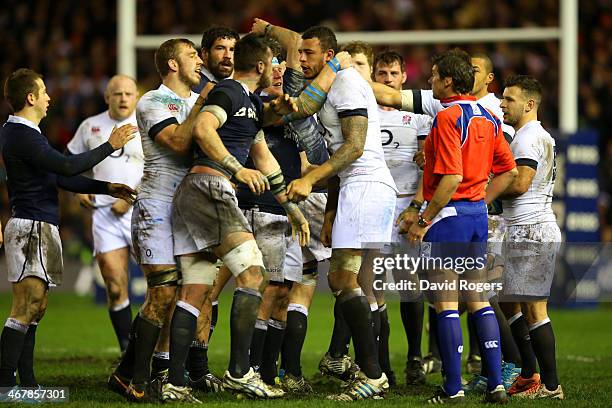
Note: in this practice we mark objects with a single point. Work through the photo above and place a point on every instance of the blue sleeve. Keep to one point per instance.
(37, 152)
(82, 185)
(293, 82)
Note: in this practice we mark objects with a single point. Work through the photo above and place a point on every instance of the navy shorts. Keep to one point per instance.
(460, 235)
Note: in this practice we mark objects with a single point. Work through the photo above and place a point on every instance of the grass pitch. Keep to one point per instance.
(76, 348)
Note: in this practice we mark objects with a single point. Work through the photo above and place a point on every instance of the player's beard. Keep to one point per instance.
(187, 79)
(215, 69)
(265, 80)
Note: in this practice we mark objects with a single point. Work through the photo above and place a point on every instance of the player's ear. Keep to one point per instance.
(404, 77)
(30, 98)
(329, 54)
(261, 67)
(173, 64)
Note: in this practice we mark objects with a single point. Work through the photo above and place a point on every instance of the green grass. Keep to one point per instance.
(76, 348)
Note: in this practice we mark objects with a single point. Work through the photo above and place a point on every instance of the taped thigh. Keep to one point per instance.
(167, 277)
(345, 261)
(242, 257)
(197, 270)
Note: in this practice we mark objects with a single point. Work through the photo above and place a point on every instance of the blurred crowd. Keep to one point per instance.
(73, 44)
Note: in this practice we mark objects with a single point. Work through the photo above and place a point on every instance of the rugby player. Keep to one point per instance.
(350, 117)
(227, 131)
(532, 240)
(403, 135)
(112, 218)
(33, 247)
(165, 118)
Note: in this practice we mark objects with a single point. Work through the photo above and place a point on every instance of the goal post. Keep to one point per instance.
(128, 41)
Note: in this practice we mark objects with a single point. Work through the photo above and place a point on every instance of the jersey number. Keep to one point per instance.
(390, 138)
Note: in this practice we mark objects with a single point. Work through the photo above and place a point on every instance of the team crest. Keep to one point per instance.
(406, 119)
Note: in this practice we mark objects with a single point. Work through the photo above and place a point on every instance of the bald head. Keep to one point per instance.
(121, 95)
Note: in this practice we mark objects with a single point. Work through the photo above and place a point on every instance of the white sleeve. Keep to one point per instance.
(526, 146)
(348, 93)
(423, 125)
(78, 144)
(428, 104)
(153, 116)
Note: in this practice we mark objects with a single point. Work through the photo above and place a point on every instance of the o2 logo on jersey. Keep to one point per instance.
(250, 113)
(173, 107)
(95, 129)
(390, 138)
(406, 119)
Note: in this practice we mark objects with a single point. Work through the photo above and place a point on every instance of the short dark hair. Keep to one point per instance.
(167, 51)
(388, 58)
(213, 33)
(325, 35)
(486, 59)
(528, 84)
(19, 85)
(457, 65)
(249, 50)
(360, 47)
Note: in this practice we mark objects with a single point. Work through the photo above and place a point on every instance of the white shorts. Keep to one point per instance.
(109, 231)
(530, 252)
(495, 239)
(364, 218)
(272, 234)
(152, 232)
(33, 248)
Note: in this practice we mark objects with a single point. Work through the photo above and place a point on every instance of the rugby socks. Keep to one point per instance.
(25, 366)
(197, 360)
(257, 343)
(11, 345)
(160, 363)
(375, 323)
(450, 343)
(126, 365)
(121, 318)
(341, 334)
(356, 311)
(520, 332)
(245, 306)
(214, 316)
(434, 350)
(383, 341)
(543, 341)
(271, 350)
(510, 351)
(471, 323)
(295, 334)
(182, 331)
(473, 338)
(147, 333)
(487, 333)
(412, 320)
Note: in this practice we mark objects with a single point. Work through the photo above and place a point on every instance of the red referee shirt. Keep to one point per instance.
(465, 139)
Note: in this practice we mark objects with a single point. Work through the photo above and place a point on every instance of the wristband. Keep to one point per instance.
(334, 64)
(231, 164)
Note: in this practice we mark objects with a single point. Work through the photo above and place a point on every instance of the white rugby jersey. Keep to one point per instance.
(123, 166)
(351, 93)
(163, 168)
(532, 143)
(400, 132)
(431, 106)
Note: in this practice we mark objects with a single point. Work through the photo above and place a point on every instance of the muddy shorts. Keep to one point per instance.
(33, 248)
(204, 212)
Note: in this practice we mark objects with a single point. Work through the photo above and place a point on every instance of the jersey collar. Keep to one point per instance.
(23, 121)
(453, 100)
